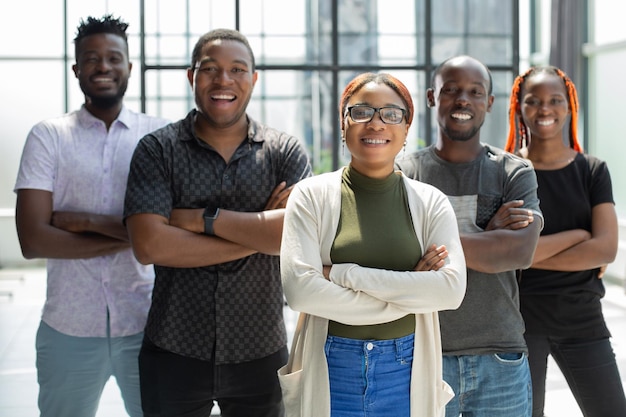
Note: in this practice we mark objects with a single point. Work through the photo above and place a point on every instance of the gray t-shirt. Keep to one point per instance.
(489, 319)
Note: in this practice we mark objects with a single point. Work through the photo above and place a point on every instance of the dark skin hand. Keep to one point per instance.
(433, 259)
(506, 242)
(511, 216)
(180, 242)
(45, 233)
(82, 222)
(192, 220)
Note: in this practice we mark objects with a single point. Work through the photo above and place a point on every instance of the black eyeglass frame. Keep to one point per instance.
(377, 110)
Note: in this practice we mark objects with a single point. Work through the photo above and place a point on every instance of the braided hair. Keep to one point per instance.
(515, 114)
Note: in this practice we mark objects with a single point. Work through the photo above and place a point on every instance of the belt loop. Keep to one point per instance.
(327, 345)
(399, 349)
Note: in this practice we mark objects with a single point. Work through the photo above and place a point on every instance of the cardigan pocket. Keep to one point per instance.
(291, 385)
(291, 376)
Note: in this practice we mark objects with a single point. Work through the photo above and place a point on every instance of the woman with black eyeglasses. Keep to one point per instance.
(371, 256)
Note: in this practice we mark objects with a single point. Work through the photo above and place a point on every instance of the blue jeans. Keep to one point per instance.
(590, 370)
(72, 372)
(369, 377)
(496, 385)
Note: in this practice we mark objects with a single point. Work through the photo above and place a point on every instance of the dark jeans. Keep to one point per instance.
(590, 370)
(177, 386)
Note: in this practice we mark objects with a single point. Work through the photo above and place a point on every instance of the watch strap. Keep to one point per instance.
(210, 214)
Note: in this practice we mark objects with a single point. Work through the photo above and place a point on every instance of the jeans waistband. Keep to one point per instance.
(379, 346)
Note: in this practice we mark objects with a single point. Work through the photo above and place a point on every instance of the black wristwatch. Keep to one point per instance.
(210, 214)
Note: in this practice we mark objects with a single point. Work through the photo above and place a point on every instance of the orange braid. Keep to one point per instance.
(573, 104)
(514, 115)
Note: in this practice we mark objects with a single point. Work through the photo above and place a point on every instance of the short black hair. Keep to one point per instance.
(223, 34)
(442, 64)
(94, 26)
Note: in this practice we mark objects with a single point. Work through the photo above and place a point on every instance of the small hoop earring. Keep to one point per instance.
(343, 147)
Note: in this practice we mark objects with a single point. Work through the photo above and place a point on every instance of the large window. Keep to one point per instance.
(306, 52)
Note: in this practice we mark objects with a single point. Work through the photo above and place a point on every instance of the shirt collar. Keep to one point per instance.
(255, 129)
(87, 119)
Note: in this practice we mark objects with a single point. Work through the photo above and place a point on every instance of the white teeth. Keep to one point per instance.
(375, 141)
(545, 122)
(223, 97)
(461, 116)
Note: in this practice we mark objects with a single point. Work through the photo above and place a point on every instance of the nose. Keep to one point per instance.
(462, 97)
(103, 65)
(543, 108)
(377, 121)
(222, 77)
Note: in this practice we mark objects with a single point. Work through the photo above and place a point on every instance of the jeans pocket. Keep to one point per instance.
(510, 357)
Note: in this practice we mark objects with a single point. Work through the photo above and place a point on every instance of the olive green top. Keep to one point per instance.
(375, 230)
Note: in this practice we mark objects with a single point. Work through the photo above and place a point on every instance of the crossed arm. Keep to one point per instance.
(179, 241)
(433, 259)
(508, 242)
(44, 233)
(577, 249)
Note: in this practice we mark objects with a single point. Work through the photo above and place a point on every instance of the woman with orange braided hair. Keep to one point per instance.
(560, 295)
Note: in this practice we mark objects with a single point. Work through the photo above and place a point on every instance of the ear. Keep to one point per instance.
(490, 102)
(190, 72)
(430, 97)
(76, 70)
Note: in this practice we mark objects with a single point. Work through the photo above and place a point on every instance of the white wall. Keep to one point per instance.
(607, 137)
(606, 54)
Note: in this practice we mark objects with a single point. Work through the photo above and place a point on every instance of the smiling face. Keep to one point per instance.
(544, 106)
(374, 144)
(460, 95)
(222, 82)
(102, 69)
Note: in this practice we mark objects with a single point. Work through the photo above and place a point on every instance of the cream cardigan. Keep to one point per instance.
(357, 295)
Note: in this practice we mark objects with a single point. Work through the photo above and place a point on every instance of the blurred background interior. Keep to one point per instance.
(306, 51)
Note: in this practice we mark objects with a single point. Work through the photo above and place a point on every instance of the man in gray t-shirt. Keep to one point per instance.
(494, 195)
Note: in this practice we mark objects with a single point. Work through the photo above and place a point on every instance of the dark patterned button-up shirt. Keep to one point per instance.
(232, 310)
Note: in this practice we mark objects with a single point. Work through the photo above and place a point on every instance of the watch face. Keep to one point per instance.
(210, 212)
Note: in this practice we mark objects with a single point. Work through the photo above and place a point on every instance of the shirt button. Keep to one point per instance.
(370, 346)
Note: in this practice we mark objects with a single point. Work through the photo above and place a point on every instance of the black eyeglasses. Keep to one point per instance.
(365, 114)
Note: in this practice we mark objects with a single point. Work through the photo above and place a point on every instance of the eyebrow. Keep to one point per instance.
(212, 60)
(364, 103)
